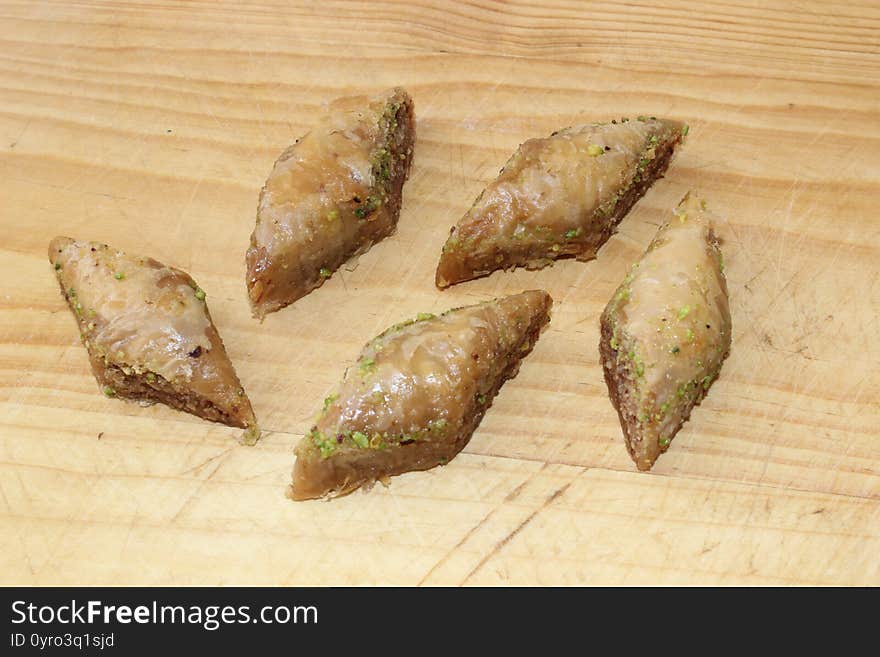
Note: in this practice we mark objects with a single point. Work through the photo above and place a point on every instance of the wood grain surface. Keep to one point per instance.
(152, 126)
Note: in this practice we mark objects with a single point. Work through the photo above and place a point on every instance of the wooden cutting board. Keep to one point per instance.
(152, 126)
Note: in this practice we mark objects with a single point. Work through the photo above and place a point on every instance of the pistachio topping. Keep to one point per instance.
(325, 445)
(147, 339)
(559, 196)
(431, 380)
(329, 197)
(367, 365)
(676, 328)
(360, 439)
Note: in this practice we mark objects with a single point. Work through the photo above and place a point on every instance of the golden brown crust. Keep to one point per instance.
(149, 333)
(562, 196)
(418, 393)
(666, 332)
(330, 197)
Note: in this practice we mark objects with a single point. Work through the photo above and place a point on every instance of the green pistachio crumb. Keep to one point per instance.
(371, 204)
(329, 399)
(684, 311)
(675, 350)
(382, 164)
(109, 391)
(571, 234)
(443, 460)
(367, 365)
(360, 439)
(325, 273)
(425, 316)
(57, 266)
(594, 150)
(151, 378)
(333, 215)
(251, 435)
(686, 129)
(664, 442)
(119, 275)
(324, 444)
(481, 399)
(200, 294)
(639, 364)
